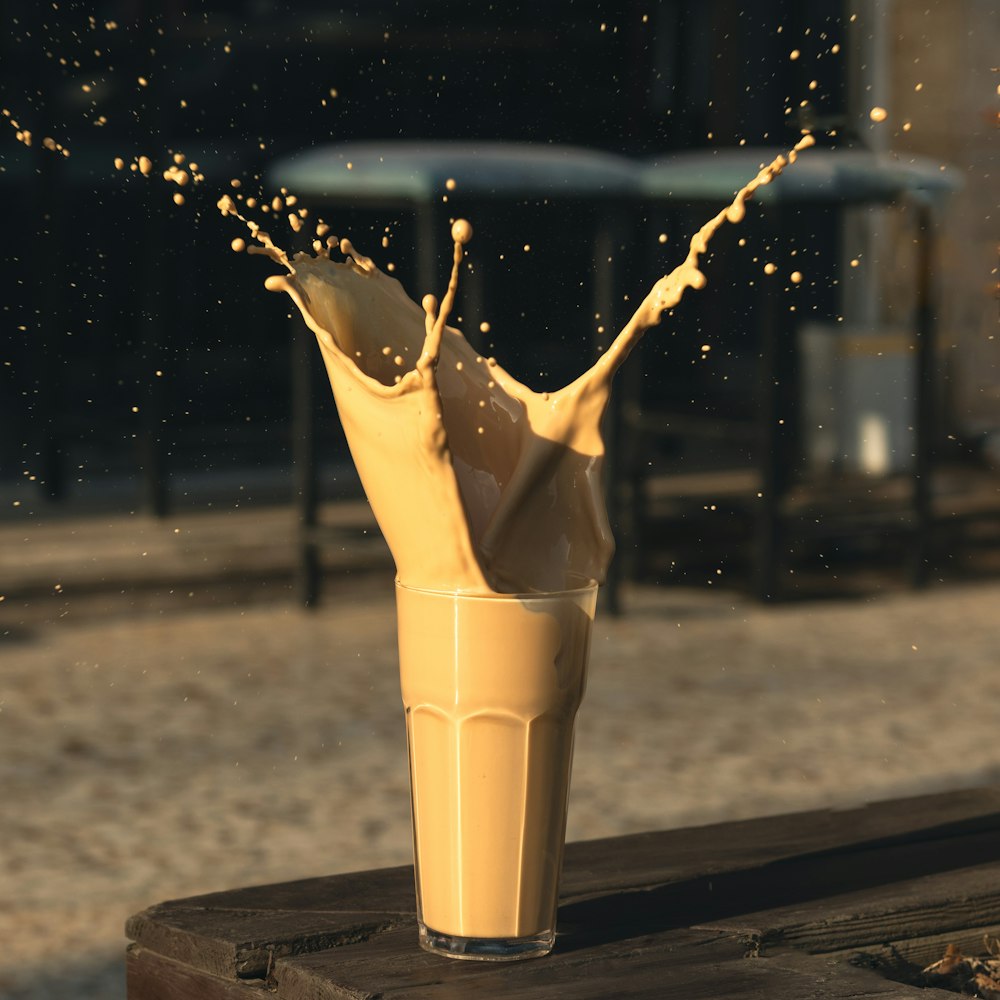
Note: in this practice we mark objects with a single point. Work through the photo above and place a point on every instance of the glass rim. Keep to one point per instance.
(588, 586)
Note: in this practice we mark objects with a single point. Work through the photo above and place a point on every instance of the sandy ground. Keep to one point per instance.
(180, 750)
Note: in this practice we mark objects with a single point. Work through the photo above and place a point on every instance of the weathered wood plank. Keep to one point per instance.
(236, 932)
(920, 952)
(675, 855)
(613, 890)
(838, 979)
(392, 966)
(680, 963)
(934, 904)
(238, 944)
(152, 977)
(735, 900)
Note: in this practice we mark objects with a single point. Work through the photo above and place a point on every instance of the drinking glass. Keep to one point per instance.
(491, 686)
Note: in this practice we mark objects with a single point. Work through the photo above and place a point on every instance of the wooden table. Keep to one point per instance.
(818, 904)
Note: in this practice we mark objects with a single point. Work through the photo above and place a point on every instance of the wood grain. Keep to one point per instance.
(940, 904)
(693, 965)
(668, 913)
(149, 976)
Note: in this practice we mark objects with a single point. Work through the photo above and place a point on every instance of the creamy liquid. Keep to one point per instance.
(481, 487)
(491, 688)
(479, 484)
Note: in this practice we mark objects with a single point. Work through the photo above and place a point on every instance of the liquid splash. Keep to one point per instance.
(479, 484)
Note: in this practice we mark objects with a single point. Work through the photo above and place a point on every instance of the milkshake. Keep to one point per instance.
(489, 496)
(491, 686)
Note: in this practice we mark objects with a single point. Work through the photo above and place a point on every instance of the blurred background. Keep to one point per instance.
(174, 719)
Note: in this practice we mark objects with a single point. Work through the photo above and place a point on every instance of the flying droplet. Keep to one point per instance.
(461, 231)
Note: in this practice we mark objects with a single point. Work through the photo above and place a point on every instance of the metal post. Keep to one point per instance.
(157, 312)
(923, 493)
(50, 258)
(770, 445)
(306, 499)
(615, 475)
(427, 263)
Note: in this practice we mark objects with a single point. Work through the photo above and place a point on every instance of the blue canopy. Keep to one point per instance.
(419, 170)
(841, 176)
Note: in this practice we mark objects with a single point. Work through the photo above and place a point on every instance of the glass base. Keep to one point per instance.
(486, 949)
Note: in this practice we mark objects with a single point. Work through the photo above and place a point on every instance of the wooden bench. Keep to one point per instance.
(848, 903)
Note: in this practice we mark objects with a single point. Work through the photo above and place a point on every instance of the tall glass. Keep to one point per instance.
(491, 687)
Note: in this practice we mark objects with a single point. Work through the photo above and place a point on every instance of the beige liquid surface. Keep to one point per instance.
(491, 688)
(481, 487)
